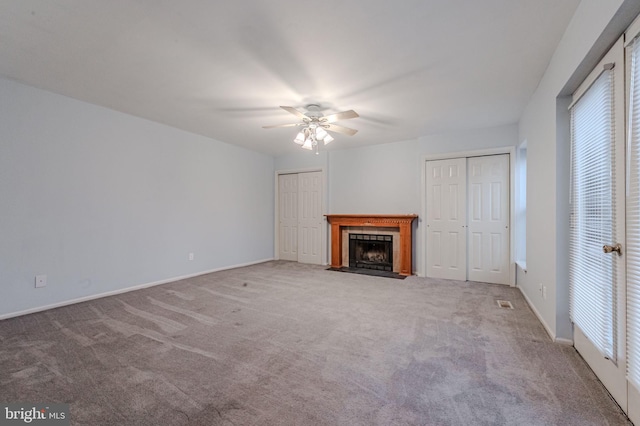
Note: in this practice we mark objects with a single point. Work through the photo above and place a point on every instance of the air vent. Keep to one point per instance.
(504, 304)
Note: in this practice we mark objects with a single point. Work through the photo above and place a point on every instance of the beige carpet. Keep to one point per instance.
(288, 344)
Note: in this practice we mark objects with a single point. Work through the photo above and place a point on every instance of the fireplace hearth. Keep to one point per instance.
(373, 252)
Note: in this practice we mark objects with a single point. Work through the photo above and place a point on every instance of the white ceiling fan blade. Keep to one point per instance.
(294, 111)
(340, 129)
(344, 115)
(283, 125)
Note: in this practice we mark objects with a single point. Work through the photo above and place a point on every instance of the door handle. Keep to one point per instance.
(617, 248)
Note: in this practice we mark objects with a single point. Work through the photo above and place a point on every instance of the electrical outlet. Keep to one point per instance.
(41, 281)
(190, 256)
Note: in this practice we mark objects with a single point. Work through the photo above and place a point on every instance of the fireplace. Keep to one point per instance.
(399, 224)
(371, 252)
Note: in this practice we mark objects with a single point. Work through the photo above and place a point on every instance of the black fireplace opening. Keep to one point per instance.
(371, 252)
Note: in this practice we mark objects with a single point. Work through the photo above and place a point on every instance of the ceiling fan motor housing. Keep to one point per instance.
(313, 111)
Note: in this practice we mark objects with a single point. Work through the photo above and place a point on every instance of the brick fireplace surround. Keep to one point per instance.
(402, 222)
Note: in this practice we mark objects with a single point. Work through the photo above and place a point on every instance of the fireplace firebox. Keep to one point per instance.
(371, 252)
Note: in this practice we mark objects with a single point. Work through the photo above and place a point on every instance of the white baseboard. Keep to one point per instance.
(563, 341)
(542, 321)
(551, 334)
(124, 290)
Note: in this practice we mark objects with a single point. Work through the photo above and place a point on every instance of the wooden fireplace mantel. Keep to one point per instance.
(401, 221)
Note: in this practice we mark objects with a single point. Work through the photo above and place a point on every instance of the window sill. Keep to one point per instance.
(522, 264)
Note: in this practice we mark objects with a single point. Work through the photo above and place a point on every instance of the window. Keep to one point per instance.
(521, 205)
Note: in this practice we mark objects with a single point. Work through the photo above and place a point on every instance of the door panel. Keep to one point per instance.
(288, 212)
(310, 218)
(489, 219)
(497, 251)
(454, 208)
(475, 240)
(436, 203)
(446, 219)
(476, 202)
(454, 250)
(436, 255)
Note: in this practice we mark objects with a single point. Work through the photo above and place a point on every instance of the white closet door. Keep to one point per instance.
(488, 205)
(446, 219)
(310, 217)
(288, 212)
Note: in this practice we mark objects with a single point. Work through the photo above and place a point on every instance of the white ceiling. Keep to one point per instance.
(221, 68)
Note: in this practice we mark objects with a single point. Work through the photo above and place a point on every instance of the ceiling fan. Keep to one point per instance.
(315, 125)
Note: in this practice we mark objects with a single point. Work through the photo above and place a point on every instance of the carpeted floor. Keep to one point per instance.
(287, 344)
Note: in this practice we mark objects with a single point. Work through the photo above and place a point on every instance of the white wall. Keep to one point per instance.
(595, 25)
(466, 140)
(100, 201)
(378, 179)
(302, 159)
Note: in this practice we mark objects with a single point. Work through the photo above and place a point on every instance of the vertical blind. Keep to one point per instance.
(592, 280)
(633, 221)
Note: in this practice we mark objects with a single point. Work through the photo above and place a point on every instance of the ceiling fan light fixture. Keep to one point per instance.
(308, 144)
(327, 139)
(299, 138)
(321, 133)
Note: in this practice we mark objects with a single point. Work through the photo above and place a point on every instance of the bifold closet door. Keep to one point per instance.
(488, 218)
(468, 219)
(300, 217)
(288, 212)
(446, 219)
(310, 217)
